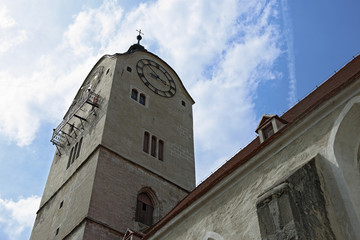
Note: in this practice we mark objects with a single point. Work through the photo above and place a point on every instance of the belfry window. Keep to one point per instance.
(153, 146)
(79, 147)
(70, 156)
(144, 209)
(134, 94)
(74, 153)
(161, 150)
(146, 142)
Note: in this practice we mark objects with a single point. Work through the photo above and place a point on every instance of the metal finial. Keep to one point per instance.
(139, 36)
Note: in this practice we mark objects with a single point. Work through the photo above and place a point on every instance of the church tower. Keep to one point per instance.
(124, 151)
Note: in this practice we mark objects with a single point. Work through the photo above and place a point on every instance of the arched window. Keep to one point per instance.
(134, 94)
(146, 142)
(142, 99)
(144, 209)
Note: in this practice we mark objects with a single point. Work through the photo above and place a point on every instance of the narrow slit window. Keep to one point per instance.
(142, 99)
(153, 146)
(79, 147)
(75, 150)
(161, 150)
(134, 94)
(146, 142)
(70, 157)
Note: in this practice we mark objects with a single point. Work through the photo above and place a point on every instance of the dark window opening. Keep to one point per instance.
(146, 142)
(161, 150)
(153, 146)
(183, 103)
(129, 69)
(57, 231)
(268, 131)
(70, 156)
(142, 99)
(61, 204)
(79, 147)
(107, 72)
(134, 94)
(75, 151)
(144, 209)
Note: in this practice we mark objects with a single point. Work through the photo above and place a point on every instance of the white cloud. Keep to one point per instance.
(9, 40)
(10, 35)
(288, 34)
(6, 21)
(17, 217)
(92, 28)
(225, 117)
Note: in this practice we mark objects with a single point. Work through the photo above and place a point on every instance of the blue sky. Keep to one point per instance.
(238, 59)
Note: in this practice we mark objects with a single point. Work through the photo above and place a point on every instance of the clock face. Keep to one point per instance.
(156, 78)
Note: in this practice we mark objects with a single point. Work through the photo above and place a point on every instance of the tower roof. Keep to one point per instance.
(137, 46)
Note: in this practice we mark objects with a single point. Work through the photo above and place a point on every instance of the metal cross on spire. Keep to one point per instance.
(139, 36)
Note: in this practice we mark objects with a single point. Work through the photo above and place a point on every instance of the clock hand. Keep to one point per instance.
(153, 72)
(163, 81)
(158, 78)
(155, 76)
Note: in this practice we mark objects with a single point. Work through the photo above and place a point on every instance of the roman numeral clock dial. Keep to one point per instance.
(156, 78)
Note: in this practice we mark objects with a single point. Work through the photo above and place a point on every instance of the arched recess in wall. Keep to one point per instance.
(344, 145)
(157, 207)
(213, 236)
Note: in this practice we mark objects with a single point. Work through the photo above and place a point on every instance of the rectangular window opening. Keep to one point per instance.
(153, 146)
(268, 131)
(146, 142)
(142, 99)
(70, 157)
(79, 147)
(161, 150)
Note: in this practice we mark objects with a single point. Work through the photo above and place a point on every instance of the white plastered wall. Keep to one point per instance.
(343, 147)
